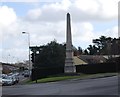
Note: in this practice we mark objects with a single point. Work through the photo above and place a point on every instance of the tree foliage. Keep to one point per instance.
(105, 46)
(50, 55)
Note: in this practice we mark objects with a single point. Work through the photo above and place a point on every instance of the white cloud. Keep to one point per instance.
(14, 55)
(109, 8)
(85, 6)
(113, 32)
(28, 1)
(118, 31)
(47, 23)
(7, 16)
(10, 27)
(7, 19)
(1, 36)
(20, 0)
(83, 30)
(104, 9)
(81, 10)
(34, 13)
(83, 33)
(45, 32)
(63, 5)
(108, 32)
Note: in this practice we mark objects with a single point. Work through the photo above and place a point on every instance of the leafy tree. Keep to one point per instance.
(101, 44)
(51, 55)
(92, 50)
(105, 45)
(86, 52)
(80, 51)
(115, 46)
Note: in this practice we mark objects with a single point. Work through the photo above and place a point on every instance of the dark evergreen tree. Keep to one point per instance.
(51, 55)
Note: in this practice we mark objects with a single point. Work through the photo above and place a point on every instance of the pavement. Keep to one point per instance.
(99, 86)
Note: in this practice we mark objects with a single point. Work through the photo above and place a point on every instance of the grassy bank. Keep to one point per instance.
(65, 77)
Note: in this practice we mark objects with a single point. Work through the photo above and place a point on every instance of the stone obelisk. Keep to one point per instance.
(69, 67)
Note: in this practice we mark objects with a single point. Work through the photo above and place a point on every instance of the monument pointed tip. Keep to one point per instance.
(68, 13)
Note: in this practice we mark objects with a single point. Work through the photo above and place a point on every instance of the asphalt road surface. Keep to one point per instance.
(99, 86)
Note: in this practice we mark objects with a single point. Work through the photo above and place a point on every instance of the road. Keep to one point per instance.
(99, 86)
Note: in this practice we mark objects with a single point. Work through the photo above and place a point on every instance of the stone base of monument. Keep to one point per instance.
(69, 69)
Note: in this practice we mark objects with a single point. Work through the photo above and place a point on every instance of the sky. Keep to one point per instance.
(45, 20)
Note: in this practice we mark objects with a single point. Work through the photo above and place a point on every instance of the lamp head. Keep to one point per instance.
(23, 32)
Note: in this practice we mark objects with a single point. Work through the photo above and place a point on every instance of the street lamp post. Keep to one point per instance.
(29, 48)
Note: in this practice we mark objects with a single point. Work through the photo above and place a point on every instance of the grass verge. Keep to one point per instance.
(63, 77)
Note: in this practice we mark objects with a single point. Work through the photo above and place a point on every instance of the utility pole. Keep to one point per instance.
(29, 50)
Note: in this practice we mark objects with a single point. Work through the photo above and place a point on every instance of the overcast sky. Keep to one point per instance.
(45, 20)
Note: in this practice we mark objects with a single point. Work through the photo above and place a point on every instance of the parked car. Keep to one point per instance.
(7, 81)
(14, 78)
(22, 73)
(3, 75)
(17, 74)
(26, 73)
(4, 80)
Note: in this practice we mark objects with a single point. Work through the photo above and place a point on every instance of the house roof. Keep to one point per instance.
(78, 61)
(93, 58)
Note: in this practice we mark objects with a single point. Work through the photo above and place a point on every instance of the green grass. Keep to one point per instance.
(63, 77)
(53, 79)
